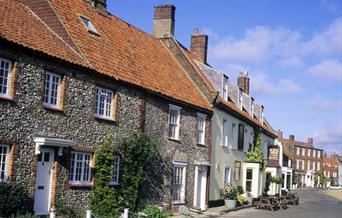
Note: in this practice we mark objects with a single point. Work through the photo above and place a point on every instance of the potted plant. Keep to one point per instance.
(229, 194)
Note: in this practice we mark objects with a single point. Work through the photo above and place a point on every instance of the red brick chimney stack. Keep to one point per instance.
(243, 82)
(164, 20)
(310, 141)
(99, 5)
(291, 137)
(280, 134)
(199, 45)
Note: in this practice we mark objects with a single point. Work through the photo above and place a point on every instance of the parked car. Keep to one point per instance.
(335, 187)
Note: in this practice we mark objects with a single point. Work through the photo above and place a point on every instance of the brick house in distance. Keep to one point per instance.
(306, 159)
(330, 169)
(72, 73)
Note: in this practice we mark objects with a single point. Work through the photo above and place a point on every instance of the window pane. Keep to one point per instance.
(5, 68)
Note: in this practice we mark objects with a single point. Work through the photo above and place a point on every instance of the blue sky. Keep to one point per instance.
(292, 50)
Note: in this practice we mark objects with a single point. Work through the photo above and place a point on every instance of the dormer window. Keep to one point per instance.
(89, 25)
(225, 88)
(240, 99)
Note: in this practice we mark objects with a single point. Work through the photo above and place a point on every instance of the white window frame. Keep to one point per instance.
(314, 165)
(72, 173)
(303, 151)
(182, 166)
(233, 133)
(224, 141)
(116, 171)
(50, 90)
(297, 164)
(8, 78)
(175, 124)
(225, 87)
(108, 96)
(227, 179)
(314, 153)
(318, 166)
(309, 165)
(89, 25)
(318, 154)
(303, 164)
(4, 163)
(200, 131)
(297, 151)
(309, 152)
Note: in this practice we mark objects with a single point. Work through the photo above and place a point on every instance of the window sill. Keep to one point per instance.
(6, 98)
(52, 108)
(77, 186)
(177, 202)
(200, 144)
(174, 140)
(107, 119)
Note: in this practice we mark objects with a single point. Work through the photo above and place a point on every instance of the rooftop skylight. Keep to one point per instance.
(89, 25)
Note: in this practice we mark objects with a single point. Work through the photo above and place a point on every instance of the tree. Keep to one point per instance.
(256, 153)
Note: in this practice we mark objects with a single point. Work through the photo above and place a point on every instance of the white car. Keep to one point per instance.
(335, 187)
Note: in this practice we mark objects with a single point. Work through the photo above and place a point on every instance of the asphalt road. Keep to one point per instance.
(313, 204)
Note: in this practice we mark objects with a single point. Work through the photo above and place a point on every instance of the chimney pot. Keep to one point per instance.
(291, 137)
(280, 134)
(243, 82)
(199, 45)
(164, 20)
(99, 5)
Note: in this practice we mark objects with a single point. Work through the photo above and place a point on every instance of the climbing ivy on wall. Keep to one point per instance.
(256, 153)
(136, 152)
(105, 200)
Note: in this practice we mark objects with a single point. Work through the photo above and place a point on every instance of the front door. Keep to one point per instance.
(201, 187)
(42, 188)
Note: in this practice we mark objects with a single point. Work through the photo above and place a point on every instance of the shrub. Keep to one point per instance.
(66, 211)
(26, 215)
(13, 199)
(155, 212)
(256, 153)
(229, 191)
(240, 189)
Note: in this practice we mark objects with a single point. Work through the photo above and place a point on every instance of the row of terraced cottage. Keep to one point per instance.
(70, 72)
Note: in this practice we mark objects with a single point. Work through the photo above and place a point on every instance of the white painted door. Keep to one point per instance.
(43, 180)
(201, 188)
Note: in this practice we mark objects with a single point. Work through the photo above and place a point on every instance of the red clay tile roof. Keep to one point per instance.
(297, 143)
(193, 57)
(128, 54)
(331, 161)
(19, 25)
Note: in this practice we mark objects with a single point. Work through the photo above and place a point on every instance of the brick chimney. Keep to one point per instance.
(99, 5)
(291, 137)
(280, 134)
(199, 45)
(243, 82)
(164, 20)
(310, 141)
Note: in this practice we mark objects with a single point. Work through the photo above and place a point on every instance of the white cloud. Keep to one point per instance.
(326, 42)
(328, 70)
(290, 62)
(286, 46)
(262, 84)
(323, 104)
(330, 138)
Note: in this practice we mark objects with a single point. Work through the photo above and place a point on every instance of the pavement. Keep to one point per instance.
(314, 203)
